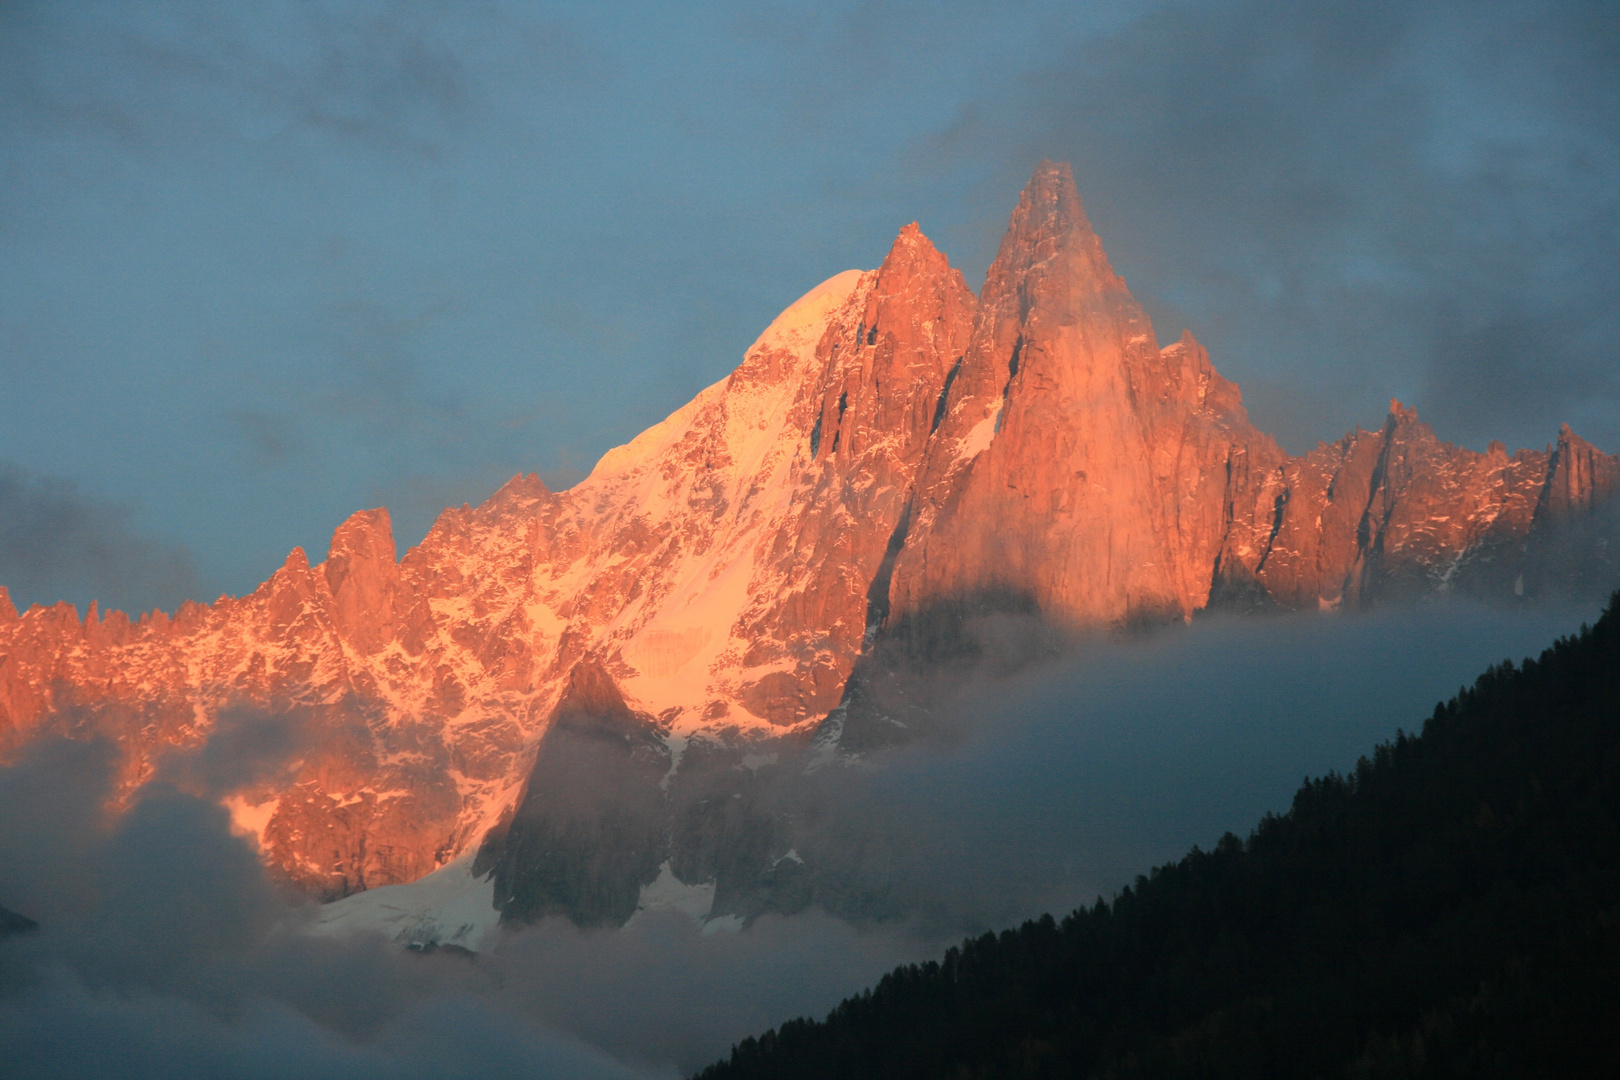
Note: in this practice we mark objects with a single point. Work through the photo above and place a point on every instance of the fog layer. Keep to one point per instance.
(164, 951)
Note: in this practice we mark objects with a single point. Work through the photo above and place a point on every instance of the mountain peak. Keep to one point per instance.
(363, 573)
(912, 260)
(591, 700)
(523, 488)
(1051, 194)
(1049, 220)
(296, 562)
(1581, 474)
(367, 534)
(910, 240)
(8, 610)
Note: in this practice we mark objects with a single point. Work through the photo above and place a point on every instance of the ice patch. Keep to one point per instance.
(447, 907)
(660, 654)
(978, 440)
(677, 750)
(811, 310)
(668, 891)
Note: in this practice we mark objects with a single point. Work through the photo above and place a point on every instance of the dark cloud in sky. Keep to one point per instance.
(388, 75)
(1353, 201)
(274, 436)
(248, 746)
(261, 265)
(56, 543)
(163, 950)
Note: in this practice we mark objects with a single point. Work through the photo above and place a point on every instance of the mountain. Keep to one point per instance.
(1450, 908)
(898, 480)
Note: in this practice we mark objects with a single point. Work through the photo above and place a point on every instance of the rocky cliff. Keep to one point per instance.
(893, 459)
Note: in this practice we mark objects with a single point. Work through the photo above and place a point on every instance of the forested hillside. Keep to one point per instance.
(1449, 908)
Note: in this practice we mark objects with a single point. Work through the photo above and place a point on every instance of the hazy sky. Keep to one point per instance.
(265, 264)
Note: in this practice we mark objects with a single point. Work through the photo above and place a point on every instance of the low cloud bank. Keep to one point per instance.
(1087, 772)
(164, 950)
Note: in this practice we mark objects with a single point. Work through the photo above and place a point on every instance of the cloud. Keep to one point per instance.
(1350, 201)
(273, 436)
(58, 543)
(164, 950)
(66, 1029)
(52, 815)
(1084, 772)
(384, 76)
(1040, 791)
(661, 993)
(397, 78)
(248, 746)
(380, 379)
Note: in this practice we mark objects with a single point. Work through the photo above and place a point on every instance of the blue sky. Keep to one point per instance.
(262, 265)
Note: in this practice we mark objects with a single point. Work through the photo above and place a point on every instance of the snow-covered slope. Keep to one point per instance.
(450, 906)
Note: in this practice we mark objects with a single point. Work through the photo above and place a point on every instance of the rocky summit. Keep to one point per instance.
(587, 687)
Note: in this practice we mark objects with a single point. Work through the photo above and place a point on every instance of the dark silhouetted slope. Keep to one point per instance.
(1450, 908)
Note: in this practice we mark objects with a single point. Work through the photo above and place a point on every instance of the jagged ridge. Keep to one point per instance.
(893, 455)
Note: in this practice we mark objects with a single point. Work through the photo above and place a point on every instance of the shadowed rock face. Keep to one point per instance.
(900, 482)
(589, 828)
(603, 811)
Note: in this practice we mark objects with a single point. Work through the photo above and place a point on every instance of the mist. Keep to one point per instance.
(1082, 774)
(164, 950)
(57, 543)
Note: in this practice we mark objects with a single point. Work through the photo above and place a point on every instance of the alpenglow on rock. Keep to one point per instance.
(893, 458)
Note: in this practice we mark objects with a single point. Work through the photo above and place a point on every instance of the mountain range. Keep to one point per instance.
(587, 692)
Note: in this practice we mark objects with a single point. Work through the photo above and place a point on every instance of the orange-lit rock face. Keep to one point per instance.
(891, 453)
(869, 415)
(1078, 467)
